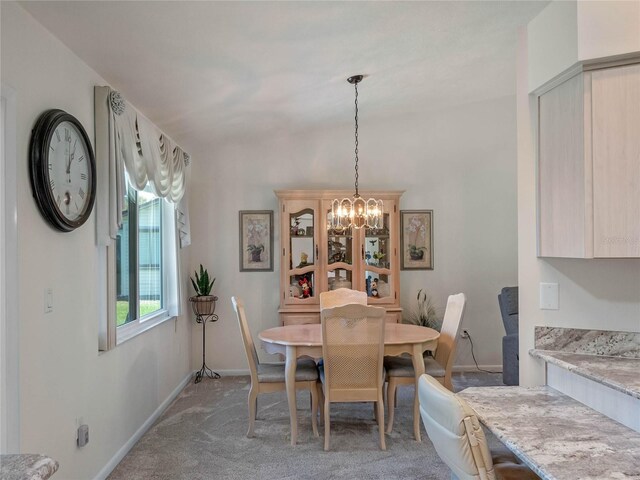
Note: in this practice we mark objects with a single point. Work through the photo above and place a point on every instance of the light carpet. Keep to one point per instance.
(202, 436)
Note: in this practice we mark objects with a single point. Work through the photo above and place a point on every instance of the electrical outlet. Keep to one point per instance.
(464, 333)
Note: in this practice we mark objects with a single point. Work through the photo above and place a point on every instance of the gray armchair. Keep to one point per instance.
(508, 301)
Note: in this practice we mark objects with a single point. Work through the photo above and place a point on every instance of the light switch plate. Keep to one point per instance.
(83, 435)
(549, 296)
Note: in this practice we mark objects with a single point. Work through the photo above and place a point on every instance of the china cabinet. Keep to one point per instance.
(315, 258)
(589, 165)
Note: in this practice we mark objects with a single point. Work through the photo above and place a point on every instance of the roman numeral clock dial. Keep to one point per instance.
(62, 170)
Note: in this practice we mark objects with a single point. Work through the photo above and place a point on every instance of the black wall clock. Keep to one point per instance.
(62, 169)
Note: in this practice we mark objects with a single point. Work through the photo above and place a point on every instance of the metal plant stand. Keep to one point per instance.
(203, 315)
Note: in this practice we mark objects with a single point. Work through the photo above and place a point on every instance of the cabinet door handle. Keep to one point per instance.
(362, 251)
(316, 252)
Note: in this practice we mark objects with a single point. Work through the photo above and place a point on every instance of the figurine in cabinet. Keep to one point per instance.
(374, 287)
(305, 285)
(304, 260)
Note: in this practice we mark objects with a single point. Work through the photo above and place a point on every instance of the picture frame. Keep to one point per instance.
(416, 239)
(256, 240)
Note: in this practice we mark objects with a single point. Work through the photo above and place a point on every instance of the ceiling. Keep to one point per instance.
(203, 71)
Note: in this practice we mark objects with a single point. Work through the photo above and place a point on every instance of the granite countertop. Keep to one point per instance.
(619, 373)
(26, 467)
(556, 436)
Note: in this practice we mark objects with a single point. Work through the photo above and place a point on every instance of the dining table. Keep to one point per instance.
(295, 341)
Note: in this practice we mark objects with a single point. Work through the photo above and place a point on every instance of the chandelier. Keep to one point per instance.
(356, 212)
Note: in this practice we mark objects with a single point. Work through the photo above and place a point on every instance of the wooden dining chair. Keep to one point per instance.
(266, 378)
(340, 297)
(399, 370)
(353, 352)
(459, 440)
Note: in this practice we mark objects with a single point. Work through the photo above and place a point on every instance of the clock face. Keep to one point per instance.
(62, 170)
(68, 171)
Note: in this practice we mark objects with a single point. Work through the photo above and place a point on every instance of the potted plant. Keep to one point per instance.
(203, 303)
(416, 253)
(255, 251)
(425, 315)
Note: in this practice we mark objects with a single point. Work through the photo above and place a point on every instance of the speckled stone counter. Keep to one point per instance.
(589, 342)
(26, 467)
(556, 436)
(619, 373)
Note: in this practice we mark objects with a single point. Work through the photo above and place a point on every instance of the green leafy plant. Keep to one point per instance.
(425, 314)
(255, 248)
(201, 283)
(378, 255)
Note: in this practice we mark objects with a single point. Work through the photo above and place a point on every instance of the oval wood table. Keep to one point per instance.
(294, 341)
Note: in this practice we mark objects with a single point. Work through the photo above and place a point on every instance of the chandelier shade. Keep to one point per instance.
(356, 212)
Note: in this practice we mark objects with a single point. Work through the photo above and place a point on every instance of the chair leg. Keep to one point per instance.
(253, 406)
(391, 402)
(327, 424)
(313, 390)
(447, 382)
(320, 402)
(380, 410)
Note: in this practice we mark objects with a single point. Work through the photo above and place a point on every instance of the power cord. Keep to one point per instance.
(474, 356)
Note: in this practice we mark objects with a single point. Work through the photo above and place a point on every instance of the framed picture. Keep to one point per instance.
(416, 239)
(256, 240)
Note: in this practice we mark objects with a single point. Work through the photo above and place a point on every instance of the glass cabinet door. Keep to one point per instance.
(339, 266)
(302, 254)
(379, 253)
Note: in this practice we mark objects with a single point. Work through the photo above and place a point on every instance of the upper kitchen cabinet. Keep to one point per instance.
(616, 161)
(589, 165)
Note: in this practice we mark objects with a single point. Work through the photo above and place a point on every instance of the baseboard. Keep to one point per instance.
(456, 368)
(120, 454)
(473, 368)
(235, 372)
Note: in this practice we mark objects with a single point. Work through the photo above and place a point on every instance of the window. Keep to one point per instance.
(136, 230)
(145, 263)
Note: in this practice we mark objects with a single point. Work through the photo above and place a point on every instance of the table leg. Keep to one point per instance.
(290, 381)
(418, 368)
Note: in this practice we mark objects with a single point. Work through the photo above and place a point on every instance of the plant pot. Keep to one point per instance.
(203, 305)
(416, 254)
(255, 256)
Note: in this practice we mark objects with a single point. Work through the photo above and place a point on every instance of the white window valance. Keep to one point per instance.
(128, 141)
(148, 155)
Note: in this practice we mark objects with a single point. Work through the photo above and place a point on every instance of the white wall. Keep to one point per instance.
(608, 28)
(567, 32)
(459, 162)
(594, 294)
(63, 376)
(553, 42)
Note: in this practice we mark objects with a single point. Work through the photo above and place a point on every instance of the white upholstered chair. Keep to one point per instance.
(266, 378)
(353, 353)
(400, 371)
(459, 440)
(340, 297)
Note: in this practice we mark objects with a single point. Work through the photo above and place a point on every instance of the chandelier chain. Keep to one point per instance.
(356, 212)
(356, 149)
